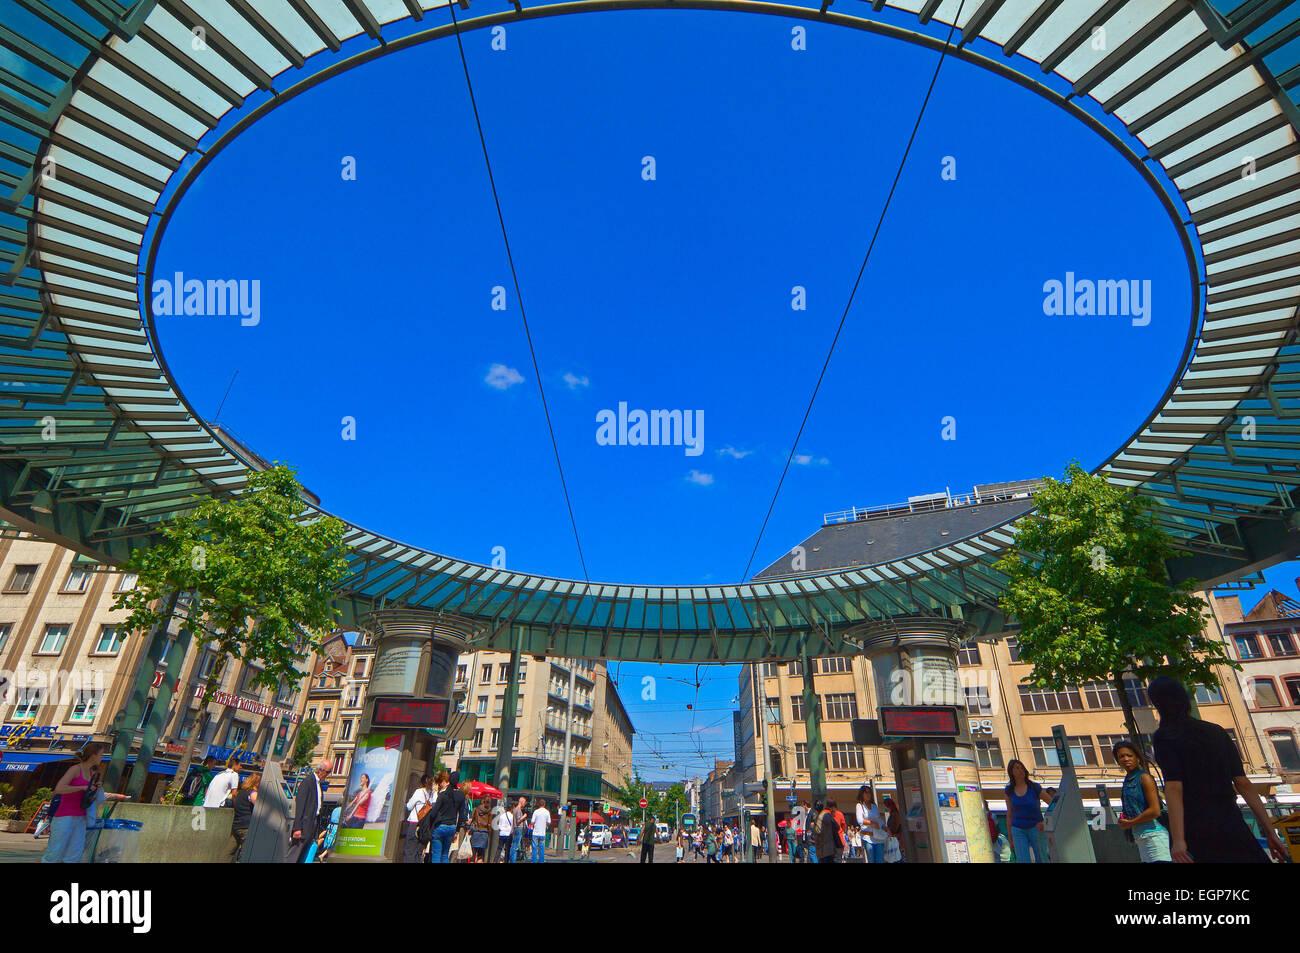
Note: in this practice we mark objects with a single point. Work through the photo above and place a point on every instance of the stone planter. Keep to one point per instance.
(180, 834)
(15, 825)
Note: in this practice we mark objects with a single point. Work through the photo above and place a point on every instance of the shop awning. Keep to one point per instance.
(158, 766)
(30, 760)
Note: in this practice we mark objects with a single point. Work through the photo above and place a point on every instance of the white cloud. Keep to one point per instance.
(808, 460)
(700, 479)
(731, 451)
(574, 381)
(502, 377)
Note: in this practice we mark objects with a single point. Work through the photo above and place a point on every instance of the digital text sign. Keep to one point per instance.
(410, 713)
(920, 721)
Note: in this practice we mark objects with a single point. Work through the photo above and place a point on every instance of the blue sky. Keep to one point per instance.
(771, 167)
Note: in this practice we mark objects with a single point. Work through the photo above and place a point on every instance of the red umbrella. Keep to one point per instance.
(477, 789)
(782, 823)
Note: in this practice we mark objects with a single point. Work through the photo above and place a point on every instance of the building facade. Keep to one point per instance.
(1266, 643)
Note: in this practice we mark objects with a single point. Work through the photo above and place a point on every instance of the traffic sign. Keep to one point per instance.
(644, 802)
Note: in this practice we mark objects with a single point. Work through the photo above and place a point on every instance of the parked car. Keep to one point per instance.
(601, 836)
(662, 833)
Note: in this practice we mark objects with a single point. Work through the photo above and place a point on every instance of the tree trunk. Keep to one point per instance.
(1129, 720)
(182, 769)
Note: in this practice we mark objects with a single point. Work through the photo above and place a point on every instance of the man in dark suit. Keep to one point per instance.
(306, 812)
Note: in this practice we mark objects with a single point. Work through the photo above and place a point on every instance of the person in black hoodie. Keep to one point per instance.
(450, 814)
(1203, 776)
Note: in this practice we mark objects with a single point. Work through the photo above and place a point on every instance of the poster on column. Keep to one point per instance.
(369, 795)
(974, 813)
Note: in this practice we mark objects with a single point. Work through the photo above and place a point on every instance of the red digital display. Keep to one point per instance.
(409, 713)
(920, 721)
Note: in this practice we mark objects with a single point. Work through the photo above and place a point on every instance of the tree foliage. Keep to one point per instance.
(1089, 586)
(305, 743)
(664, 806)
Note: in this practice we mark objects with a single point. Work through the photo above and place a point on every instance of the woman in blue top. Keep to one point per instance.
(1141, 806)
(1024, 816)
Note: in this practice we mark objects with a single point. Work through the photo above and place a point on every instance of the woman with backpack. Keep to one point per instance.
(1142, 807)
(76, 793)
(419, 810)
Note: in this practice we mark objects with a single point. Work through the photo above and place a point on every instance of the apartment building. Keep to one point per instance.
(1266, 643)
(70, 668)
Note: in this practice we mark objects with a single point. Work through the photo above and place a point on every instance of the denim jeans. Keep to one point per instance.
(539, 848)
(440, 844)
(1023, 838)
(67, 839)
(811, 853)
(515, 840)
(875, 853)
(1153, 845)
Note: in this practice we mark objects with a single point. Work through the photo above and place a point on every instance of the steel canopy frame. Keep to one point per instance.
(130, 451)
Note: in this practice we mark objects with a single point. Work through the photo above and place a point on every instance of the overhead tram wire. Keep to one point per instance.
(853, 294)
(514, 277)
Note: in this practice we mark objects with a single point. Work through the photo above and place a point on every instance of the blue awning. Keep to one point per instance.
(157, 766)
(29, 760)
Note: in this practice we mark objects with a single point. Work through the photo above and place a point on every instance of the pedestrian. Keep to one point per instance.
(697, 844)
(1203, 776)
(648, 841)
(711, 847)
(823, 833)
(77, 791)
(1141, 806)
(518, 827)
(450, 814)
(584, 840)
(681, 846)
(197, 780)
(1024, 816)
(307, 802)
(223, 785)
(894, 828)
(840, 828)
(806, 833)
(791, 839)
(755, 834)
(871, 825)
(480, 827)
(541, 820)
(505, 825)
(728, 842)
(418, 807)
(245, 799)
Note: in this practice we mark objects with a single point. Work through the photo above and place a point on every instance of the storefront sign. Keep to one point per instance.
(12, 733)
(227, 700)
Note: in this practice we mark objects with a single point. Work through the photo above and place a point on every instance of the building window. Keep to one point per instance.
(359, 668)
(22, 578)
(1265, 693)
(326, 713)
(523, 670)
(1041, 699)
(53, 639)
(126, 582)
(498, 707)
(76, 580)
(1082, 752)
(144, 715)
(519, 707)
(345, 730)
(1013, 648)
(5, 629)
(478, 739)
(462, 674)
(110, 640)
(801, 756)
(237, 734)
(845, 756)
(28, 703)
(1292, 683)
(1206, 695)
(1235, 743)
(482, 705)
(796, 706)
(85, 705)
(1107, 742)
(795, 668)
(486, 675)
(841, 707)
(969, 654)
(977, 700)
(246, 686)
(989, 754)
(1103, 694)
(1288, 756)
(516, 739)
(1248, 646)
(835, 665)
(340, 762)
(206, 666)
(494, 739)
(451, 746)
(311, 713)
(1282, 644)
(503, 672)
(769, 669)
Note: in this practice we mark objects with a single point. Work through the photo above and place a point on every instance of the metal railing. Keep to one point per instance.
(1021, 490)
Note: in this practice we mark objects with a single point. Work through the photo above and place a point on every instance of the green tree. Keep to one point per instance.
(304, 744)
(257, 574)
(1089, 586)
